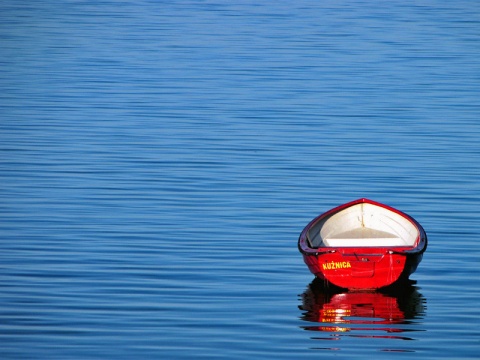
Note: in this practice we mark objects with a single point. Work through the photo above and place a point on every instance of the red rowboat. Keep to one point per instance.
(363, 245)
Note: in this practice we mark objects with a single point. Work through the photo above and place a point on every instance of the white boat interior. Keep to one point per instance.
(363, 225)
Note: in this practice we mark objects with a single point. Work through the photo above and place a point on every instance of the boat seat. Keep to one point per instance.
(364, 237)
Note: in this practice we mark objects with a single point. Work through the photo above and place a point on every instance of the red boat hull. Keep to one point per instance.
(358, 268)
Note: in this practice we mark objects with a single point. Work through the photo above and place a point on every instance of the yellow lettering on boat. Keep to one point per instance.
(333, 265)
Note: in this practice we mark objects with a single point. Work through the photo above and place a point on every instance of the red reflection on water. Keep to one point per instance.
(340, 312)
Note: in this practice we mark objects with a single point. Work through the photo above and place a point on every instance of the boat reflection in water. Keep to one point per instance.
(386, 314)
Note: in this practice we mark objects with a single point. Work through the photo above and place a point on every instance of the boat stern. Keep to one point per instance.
(356, 269)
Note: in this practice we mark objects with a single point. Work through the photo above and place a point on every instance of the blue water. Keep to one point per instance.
(158, 161)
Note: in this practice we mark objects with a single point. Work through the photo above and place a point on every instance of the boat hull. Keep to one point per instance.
(360, 268)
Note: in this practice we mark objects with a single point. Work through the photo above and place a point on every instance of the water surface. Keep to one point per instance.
(159, 160)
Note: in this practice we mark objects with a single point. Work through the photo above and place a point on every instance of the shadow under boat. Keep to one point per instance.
(336, 310)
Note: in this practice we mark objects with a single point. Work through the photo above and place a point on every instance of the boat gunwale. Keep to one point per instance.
(420, 244)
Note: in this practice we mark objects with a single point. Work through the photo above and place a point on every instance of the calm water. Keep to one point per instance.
(158, 161)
